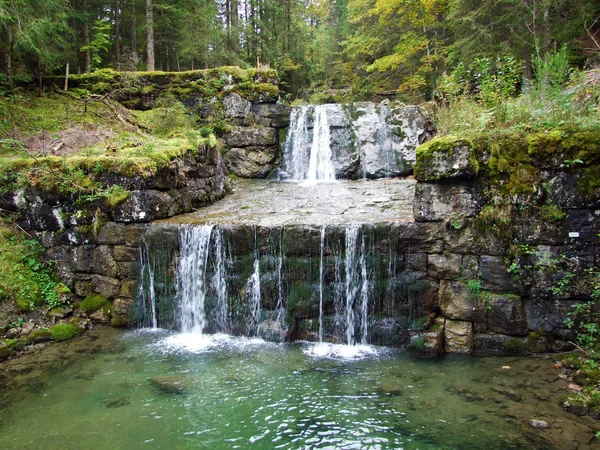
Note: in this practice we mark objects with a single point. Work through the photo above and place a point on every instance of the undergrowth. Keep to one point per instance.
(26, 281)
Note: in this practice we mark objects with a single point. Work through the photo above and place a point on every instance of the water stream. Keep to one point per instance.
(136, 392)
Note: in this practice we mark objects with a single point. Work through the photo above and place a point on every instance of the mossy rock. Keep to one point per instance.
(119, 321)
(564, 145)
(444, 158)
(63, 331)
(41, 335)
(93, 302)
(23, 305)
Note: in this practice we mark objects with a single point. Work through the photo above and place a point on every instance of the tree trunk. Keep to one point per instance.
(117, 37)
(39, 78)
(134, 54)
(86, 39)
(8, 59)
(149, 36)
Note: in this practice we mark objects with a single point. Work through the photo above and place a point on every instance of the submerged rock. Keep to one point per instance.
(170, 384)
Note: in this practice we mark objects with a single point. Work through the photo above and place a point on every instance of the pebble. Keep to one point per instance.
(539, 424)
(574, 387)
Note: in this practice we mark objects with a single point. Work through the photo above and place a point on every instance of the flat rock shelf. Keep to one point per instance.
(275, 204)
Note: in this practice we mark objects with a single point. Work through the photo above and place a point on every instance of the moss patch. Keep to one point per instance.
(93, 302)
(63, 331)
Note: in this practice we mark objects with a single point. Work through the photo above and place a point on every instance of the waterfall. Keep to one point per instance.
(320, 166)
(253, 293)
(321, 270)
(364, 295)
(295, 148)
(147, 292)
(219, 284)
(279, 307)
(307, 158)
(357, 286)
(191, 276)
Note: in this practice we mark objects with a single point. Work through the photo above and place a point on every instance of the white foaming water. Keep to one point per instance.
(320, 166)
(340, 351)
(198, 343)
(352, 281)
(191, 277)
(305, 159)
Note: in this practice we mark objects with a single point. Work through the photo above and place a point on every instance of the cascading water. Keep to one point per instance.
(219, 284)
(146, 290)
(321, 281)
(356, 286)
(307, 150)
(253, 293)
(191, 277)
(320, 166)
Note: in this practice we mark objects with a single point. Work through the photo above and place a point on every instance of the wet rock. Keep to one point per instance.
(444, 266)
(82, 258)
(144, 206)
(170, 384)
(506, 315)
(106, 286)
(539, 424)
(389, 390)
(272, 115)
(111, 233)
(494, 275)
(117, 402)
(123, 253)
(576, 407)
(458, 336)
(103, 262)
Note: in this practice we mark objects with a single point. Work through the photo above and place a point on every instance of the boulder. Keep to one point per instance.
(445, 158)
(387, 137)
(103, 262)
(446, 201)
(251, 162)
(456, 303)
(235, 106)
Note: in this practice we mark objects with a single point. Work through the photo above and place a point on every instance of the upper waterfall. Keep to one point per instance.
(307, 148)
(351, 141)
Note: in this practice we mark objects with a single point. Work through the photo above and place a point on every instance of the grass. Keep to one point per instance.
(577, 105)
(31, 127)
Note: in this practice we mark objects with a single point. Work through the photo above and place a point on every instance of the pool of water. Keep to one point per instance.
(112, 390)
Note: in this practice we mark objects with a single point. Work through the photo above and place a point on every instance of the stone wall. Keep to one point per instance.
(95, 244)
(521, 222)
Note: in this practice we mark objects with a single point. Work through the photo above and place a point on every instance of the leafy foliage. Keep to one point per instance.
(25, 279)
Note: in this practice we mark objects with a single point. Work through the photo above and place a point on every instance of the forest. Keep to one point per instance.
(327, 49)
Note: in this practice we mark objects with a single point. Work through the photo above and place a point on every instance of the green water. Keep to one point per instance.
(96, 394)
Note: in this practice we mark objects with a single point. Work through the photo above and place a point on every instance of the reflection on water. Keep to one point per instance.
(162, 390)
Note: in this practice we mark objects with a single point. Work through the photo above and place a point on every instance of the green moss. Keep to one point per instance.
(63, 331)
(514, 347)
(568, 144)
(40, 335)
(93, 302)
(552, 213)
(428, 154)
(23, 304)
